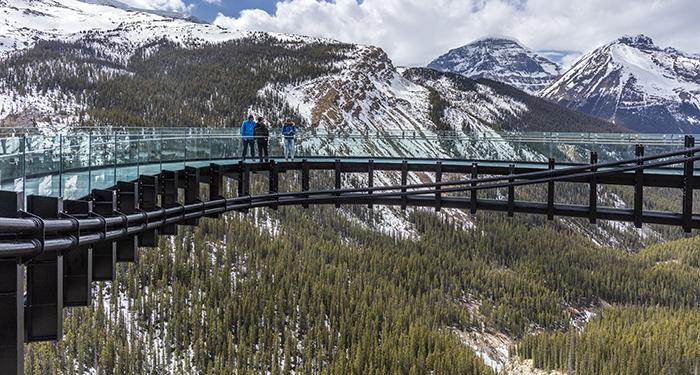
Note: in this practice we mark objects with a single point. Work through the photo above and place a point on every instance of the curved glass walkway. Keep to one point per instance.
(72, 164)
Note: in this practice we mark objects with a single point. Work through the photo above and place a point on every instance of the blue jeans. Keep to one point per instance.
(289, 148)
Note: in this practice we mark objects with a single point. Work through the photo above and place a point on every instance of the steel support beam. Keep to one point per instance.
(638, 187)
(474, 193)
(550, 193)
(148, 201)
(511, 193)
(370, 180)
(77, 262)
(338, 170)
(404, 182)
(216, 179)
(44, 302)
(192, 196)
(305, 179)
(688, 187)
(438, 178)
(127, 203)
(169, 197)
(12, 276)
(593, 191)
(104, 253)
(274, 181)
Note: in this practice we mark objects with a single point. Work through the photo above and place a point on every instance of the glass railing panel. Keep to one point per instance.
(12, 163)
(74, 181)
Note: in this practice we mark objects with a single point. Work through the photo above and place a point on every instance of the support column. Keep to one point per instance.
(550, 193)
(44, 302)
(511, 191)
(104, 253)
(148, 201)
(191, 191)
(688, 188)
(438, 179)
(77, 263)
(474, 193)
(12, 277)
(404, 181)
(215, 186)
(168, 182)
(638, 187)
(370, 180)
(305, 180)
(127, 199)
(274, 180)
(593, 194)
(338, 179)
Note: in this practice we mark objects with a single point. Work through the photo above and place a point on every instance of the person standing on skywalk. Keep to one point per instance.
(262, 133)
(288, 133)
(248, 136)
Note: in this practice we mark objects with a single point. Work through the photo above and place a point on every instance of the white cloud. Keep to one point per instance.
(415, 31)
(169, 5)
(213, 2)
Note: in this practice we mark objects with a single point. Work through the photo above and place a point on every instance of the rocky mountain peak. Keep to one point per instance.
(500, 59)
(639, 40)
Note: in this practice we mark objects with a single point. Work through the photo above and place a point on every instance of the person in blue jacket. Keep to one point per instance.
(288, 132)
(248, 136)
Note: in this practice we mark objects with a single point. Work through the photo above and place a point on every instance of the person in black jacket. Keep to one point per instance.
(262, 133)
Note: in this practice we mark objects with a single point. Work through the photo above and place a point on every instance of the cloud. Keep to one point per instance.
(414, 32)
(213, 2)
(169, 5)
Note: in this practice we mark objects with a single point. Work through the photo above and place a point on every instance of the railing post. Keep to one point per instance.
(550, 192)
(12, 278)
(404, 182)
(593, 191)
(77, 263)
(511, 191)
(370, 181)
(474, 195)
(438, 179)
(44, 301)
(638, 186)
(688, 187)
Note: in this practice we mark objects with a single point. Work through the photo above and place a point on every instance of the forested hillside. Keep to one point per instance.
(166, 85)
(317, 292)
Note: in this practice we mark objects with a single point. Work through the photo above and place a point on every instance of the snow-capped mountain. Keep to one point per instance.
(120, 30)
(636, 84)
(500, 59)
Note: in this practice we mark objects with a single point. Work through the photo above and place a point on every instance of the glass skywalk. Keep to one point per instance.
(72, 164)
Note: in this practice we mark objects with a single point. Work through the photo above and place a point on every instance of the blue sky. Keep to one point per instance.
(232, 8)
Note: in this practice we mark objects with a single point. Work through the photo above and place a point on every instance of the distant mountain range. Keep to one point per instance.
(630, 81)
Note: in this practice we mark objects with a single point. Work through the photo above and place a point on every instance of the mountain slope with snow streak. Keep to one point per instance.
(636, 84)
(500, 59)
